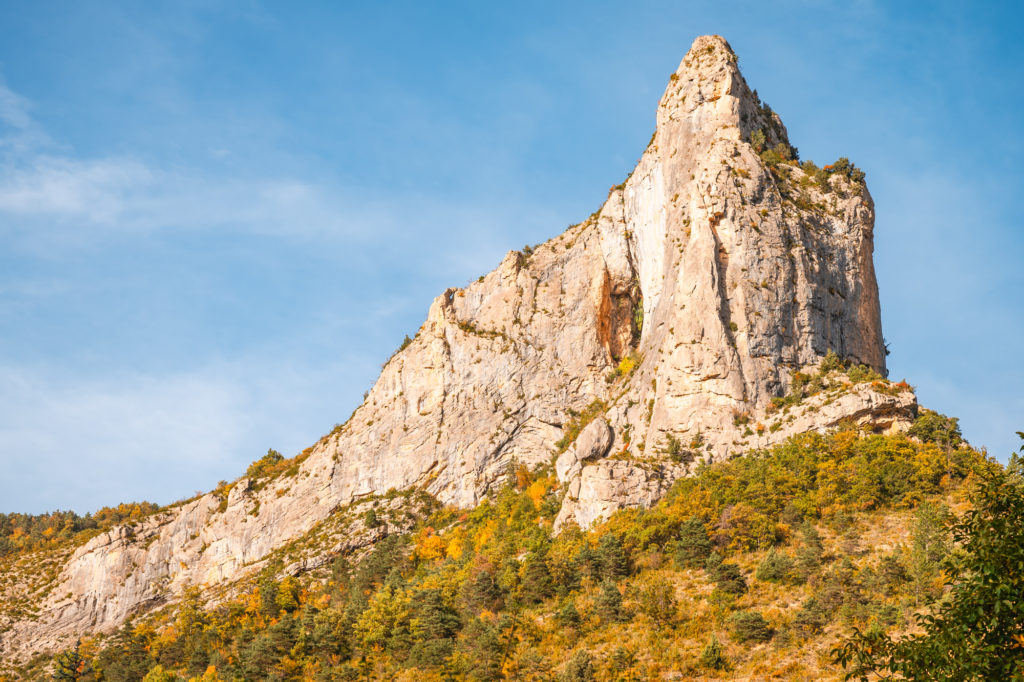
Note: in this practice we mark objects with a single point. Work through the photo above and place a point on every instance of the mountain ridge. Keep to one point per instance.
(675, 318)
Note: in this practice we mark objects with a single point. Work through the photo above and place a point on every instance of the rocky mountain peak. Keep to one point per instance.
(660, 332)
(708, 80)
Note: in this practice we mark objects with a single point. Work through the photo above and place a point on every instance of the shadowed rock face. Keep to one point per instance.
(701, 267)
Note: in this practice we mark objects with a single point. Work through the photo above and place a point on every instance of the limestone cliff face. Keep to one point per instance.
(715, 276)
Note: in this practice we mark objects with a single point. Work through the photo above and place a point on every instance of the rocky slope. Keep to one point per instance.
(668, 321)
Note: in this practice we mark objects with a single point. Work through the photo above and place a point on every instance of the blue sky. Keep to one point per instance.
(218, 219)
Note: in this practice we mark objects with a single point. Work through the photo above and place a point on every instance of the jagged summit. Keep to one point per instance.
(658, 331)
(713, 66)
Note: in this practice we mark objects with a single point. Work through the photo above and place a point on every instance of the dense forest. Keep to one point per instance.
(788, 563)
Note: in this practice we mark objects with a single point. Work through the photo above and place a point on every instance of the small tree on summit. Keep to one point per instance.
(265, 464)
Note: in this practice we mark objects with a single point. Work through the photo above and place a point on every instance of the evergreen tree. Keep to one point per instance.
(609, 602)
(713, 656)
(729, 579)
(693, 545)
(124, 658)
(579, 668)
(536, 585)
(775, 567)
(268, 599)
(267, 648)
(812, 617)
(749, 626)
(386, 621)
(434, 626)
(481, 644)
(481, 591)
(932, 427)
(387, 555)
(611, 557)
(808, 556)
(71, 665)
(287, 597)
(326, 633)
(929, 547)
(568, 616)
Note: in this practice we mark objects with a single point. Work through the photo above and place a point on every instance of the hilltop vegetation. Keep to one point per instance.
(754, 567)
(29, 532)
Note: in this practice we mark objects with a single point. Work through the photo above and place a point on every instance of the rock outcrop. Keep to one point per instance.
(675, 313)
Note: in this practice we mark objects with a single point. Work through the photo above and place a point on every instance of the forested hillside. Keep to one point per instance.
(755, 568)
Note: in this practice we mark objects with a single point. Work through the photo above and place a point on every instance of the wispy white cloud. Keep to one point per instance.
(54, 200)
(94, 191)
(51, 190)
(19, 130)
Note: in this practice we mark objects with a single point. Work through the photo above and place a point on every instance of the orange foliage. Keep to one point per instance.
(427, 545)
(536, 491)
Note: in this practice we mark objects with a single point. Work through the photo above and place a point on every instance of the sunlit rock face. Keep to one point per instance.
(675, 313)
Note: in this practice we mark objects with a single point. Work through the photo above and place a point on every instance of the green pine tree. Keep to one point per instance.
(71, 665)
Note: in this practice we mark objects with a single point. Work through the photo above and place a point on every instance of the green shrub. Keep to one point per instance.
(830, 363)
(812, 617)
(757, 140)
(609, 602)
(567, 615)
(729, 579)
(713, 656)
(775, 568)
(810, 552)
(859, 374)
(845, 168)
(675, 450)
(779, 154)
(932, 427)
(265, 465)
(749, 626)
(578, 421)
(579, 668)
(657, 600)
